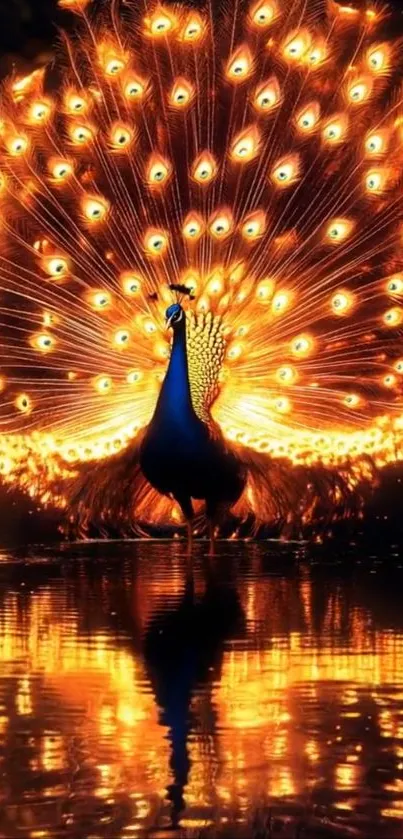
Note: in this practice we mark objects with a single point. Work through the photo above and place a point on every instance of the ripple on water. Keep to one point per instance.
(244, 694)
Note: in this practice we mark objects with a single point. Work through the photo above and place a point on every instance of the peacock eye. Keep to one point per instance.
(342, 303)
(204, 168)
(23, 403)
(339, 230)
(134, 376)
(131, 284)
(399, 366)
(296, 48)
(156, 243)
(246, 145)
(221, 225)
(240, 65)
(308, 119)
(158, 170)
(121, 337)
(114, 66)
(81, 134)
(254, 226)
(160, 23)
(95, 209)
(267, 95)
(56, 267)
(61, 170)
(43, 342)
(286, 172)
(121, 137)
(193, 227)
(102, 384)
(377, 59)
(262, 14)
(335, 130)
(395, 285)
(40, 111)
(181, 94)
(393, 317)
(17, 146)
(359, 92)
(352, 400)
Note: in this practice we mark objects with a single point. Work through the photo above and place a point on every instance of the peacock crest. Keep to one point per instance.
(251, 155)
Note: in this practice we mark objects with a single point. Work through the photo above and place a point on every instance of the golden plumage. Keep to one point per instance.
(253, 155)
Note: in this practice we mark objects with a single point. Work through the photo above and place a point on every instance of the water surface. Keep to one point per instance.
(256, 694)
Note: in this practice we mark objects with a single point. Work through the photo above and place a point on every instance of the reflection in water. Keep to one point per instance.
(138, 693)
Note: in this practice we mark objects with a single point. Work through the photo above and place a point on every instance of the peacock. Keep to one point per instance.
(201, 275)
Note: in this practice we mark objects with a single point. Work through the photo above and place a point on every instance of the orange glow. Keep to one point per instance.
(156, 242)
(286, 171)
(221, 224)
(296, 46)
(204, 168)
(308, 117)
(338, 230)
(121, 137)
(335, 129)
(359, 91)
(60, 169)
(95, 208)
(246, 145)
(181, 93)
(193, 227)
(262, 14)
(158, 170)
(193, 29)
(253, 227)
(267, 95)
(160, 23)
(240, 65)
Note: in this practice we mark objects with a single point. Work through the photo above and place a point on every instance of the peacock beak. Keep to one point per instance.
(169, 322)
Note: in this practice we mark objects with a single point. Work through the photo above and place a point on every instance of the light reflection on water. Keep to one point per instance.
(250, 694)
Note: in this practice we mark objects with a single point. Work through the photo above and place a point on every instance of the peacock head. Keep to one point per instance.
(174, 315)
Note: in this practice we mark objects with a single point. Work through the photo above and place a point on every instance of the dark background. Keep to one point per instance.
(28, 30)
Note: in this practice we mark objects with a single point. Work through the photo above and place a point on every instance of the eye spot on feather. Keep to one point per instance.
(131, 284)
(376, 143)
(338, 230)
(254, 226)
(342, 303)
(246, 145)
(352, 400)
(100, 300)
(40, 112)
(57, 267)
(308, 118)
(262, 15)
(378, 58)
(394, 285)
(102, 384)
(43, 342)
(398, 366)
(302, 345)
(193, 30)
(393, 317)
(75, 104)
(204, 168)
(282, 405)
(359, 91)
(240, 65)
(121, 137)
(158, 171)
(95, 209)
(61, 169)
(295, 48)
(181, 93)
(17, 145)
(23, 403)
(81, 135)
(335, 130)
(221, 224)
(286, 171)
(389, 380)
(286, 375)
(156, 242)
(134, 377)
(160, 23)
(121, 338)
(193, 227)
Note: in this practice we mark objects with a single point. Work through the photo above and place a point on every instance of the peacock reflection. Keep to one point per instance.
(152, 694)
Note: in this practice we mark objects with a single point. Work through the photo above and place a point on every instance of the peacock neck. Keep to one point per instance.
(175, 402)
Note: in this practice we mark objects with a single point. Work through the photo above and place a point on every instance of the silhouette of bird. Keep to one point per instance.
(201, 278)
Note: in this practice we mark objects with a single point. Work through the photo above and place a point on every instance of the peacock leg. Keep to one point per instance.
(188, 513)
(211, 530)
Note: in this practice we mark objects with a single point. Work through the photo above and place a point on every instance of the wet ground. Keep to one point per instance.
(258, 694)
